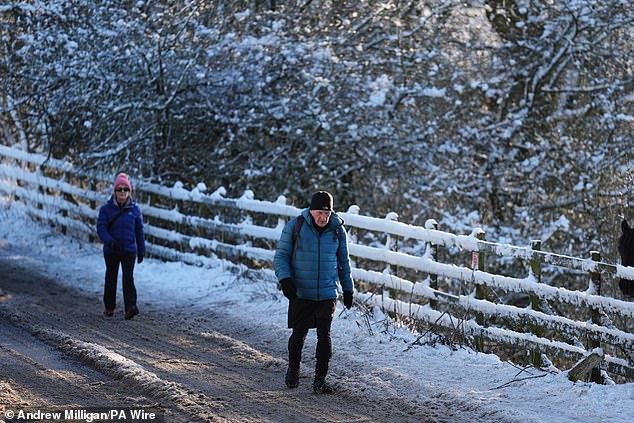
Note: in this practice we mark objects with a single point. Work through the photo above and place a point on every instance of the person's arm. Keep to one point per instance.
(284, 253)
(140, 236)
(343, 260)
(102, 231)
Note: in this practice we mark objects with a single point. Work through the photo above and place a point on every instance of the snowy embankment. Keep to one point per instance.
(371, 356)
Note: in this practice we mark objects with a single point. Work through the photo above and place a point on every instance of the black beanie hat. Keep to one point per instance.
(321, 200)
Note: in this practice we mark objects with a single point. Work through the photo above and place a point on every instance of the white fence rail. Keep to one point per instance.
(59, 193)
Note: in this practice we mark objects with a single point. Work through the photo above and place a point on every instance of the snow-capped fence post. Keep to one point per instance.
(220, 193)
(536, 265)
(65, 176)
(594, 288)
(536, 273)
(352, 231)
(179, 206)
(92, 186)
(432, 255)
(392, 240)
(203, 210)
(281, 221)
(478, 259)
(150, 199)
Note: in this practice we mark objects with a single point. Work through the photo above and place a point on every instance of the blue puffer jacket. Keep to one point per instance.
(313, 264)
(127, 230)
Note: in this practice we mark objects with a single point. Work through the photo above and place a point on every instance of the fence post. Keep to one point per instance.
(203, 212)
(595, 289)
(352, 232)
(392, 241)
(64, 196)
(433, 255)
(480, 293)
(281, 221)
(151, 200)
(536, 273)
(92, 186)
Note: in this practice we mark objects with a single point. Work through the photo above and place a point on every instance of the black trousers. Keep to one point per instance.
(113, 261)
(318, 315)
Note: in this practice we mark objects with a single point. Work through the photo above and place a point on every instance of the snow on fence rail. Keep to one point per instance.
(57, 192)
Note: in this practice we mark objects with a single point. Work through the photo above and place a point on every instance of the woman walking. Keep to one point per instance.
(120, 228)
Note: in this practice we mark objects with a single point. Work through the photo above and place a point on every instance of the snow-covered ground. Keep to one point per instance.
(371, 362)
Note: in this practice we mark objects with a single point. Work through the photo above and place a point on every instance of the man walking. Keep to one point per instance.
(312, 255)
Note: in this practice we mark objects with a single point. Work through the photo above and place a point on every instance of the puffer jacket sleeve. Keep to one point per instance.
(284, 252)
(343, 257)
(102, 222)
(138, 232)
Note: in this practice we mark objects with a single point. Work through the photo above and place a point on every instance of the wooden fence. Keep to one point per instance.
(403, 274)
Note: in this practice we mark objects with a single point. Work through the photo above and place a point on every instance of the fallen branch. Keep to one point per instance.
(517, 380)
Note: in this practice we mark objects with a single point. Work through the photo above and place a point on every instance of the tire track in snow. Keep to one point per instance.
(197, 405)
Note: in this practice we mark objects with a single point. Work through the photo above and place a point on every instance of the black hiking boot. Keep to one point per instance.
(131, 312)
(320, 386)
(292, 377)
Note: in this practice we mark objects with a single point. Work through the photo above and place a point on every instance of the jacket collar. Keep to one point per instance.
(127, 205)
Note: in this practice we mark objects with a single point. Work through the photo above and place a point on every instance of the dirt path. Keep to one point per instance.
(34, 375)
(192, 365)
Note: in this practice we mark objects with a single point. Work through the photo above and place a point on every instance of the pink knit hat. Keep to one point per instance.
(122, 179)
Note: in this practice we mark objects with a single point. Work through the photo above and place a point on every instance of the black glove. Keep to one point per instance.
(288, 288)
(139, 258)
(114, 245)
(347, 299)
